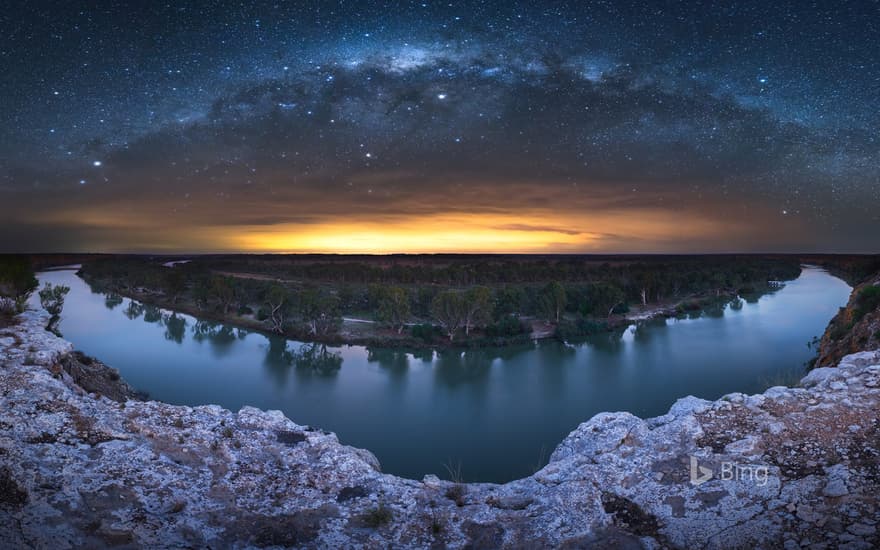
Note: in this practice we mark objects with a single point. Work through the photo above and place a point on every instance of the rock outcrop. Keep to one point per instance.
(856, 327)
(790, 468)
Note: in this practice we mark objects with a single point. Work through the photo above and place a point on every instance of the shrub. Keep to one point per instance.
(52, 298)
(507, 326)
(425, 331)
(867, 301)
(17, 282)
(580, 327)
(456, 493)
(378, 516)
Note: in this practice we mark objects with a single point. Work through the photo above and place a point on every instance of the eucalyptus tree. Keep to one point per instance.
(448, 309)
(553, 300)
(477, 306)
(393, 307)
(320, 312)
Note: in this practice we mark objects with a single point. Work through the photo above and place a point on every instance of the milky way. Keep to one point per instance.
(561, 127)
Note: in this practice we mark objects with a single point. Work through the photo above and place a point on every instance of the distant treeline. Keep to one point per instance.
(853, 269)
(434, 301)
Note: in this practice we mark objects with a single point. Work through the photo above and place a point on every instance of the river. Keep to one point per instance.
(491, 414)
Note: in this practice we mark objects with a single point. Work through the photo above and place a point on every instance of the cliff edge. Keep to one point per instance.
(787, 468)
(856, 327)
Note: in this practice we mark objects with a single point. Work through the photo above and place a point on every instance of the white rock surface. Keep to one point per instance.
(79, 470)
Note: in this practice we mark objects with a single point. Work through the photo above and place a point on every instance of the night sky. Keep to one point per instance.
(440, 127)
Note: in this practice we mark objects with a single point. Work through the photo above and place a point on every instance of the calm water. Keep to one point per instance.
(498, 413)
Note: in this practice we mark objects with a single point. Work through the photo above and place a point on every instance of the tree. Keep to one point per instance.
(477, 307)
(17, 282)
(510, 300)
(602, 299)
(448, 308)
(646, 282)
(278, 301)
(224, 291)
(201, 292)
(52, 300)
(320, 311)
(174, 283)
(553, 300)
(393, 307)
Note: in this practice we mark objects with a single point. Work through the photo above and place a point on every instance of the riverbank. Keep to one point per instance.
(78, 469)
(358, 331)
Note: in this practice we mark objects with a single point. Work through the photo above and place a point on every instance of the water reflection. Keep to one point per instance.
(219, 336)
(457, 368)
(112, 300)
(133, 310)
(395, 361)
(152, 314)
(317, 359)
(278, 359)
(175, 327)
(491, 409)
(308, 360)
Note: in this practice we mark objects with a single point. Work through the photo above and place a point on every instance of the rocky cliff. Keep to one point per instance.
(791, 467)
(856, 327)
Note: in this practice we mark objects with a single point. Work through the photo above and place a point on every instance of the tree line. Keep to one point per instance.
(311, 302)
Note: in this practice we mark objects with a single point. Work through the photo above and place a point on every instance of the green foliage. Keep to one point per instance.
(52, 298)
(867, 301)
(378, 516)
(306, 297)
(320, 312)
(277, 300)
(602, 299)
(223, 289)
(552, 301)
(477, 307)
(579, 328)
(448, 309)
(392, 306)
(425, 332)
(174, 282)
(507, 327)
(510, 300)
(201, 292)
(17, 282)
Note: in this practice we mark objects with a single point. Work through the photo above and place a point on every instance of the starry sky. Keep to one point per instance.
(440, 126)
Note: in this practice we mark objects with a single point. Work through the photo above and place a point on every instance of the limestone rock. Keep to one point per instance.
(78, 469)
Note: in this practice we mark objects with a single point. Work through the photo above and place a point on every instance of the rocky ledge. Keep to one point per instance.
(792, 467)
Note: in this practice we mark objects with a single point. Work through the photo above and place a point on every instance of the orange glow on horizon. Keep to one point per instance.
(464, 233)
(570, 229)
(437, 235)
